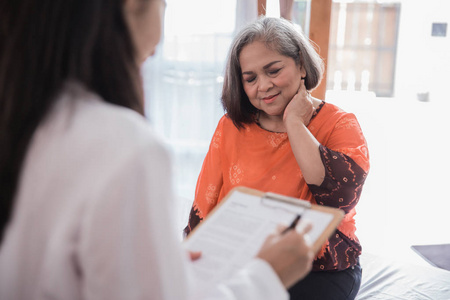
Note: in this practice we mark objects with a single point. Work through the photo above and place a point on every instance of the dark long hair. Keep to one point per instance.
(43, 44)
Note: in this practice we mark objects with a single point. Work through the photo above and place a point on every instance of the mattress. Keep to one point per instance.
(385, 278)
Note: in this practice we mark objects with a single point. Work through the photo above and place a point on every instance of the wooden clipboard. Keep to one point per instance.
(235, 229)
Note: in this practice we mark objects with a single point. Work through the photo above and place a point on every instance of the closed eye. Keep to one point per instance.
(274, 72)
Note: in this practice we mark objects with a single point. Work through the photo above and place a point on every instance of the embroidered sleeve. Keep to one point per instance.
(346, 160)
(194, 220)
(343, 181)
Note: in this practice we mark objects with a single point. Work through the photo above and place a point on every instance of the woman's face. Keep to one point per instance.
(145, 19)
(270, 79)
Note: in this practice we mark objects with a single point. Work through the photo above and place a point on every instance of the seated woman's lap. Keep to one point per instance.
(323, 285)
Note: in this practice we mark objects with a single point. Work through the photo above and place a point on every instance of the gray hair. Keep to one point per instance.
(279, 35)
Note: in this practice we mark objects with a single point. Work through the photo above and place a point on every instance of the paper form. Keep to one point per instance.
(234, 233)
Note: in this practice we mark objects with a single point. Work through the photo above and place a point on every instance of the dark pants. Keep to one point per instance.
(323, 285)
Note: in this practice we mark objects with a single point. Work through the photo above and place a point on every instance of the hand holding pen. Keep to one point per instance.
(289, 252)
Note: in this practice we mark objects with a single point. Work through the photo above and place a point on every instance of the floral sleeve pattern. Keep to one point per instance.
(194, 220)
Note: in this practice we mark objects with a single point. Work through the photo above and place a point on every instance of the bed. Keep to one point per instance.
(387, 278)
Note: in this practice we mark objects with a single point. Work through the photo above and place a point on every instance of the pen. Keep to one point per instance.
(293, 224)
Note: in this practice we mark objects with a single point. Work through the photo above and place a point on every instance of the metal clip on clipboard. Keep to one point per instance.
(291, 200)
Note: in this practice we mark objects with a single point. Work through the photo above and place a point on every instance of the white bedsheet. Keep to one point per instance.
(386, 279)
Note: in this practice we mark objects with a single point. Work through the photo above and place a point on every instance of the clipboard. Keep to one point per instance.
(234, 231)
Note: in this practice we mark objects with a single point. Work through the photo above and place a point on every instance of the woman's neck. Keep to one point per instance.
(271, 123)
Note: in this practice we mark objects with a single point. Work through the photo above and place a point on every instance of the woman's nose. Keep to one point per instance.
(265, 84)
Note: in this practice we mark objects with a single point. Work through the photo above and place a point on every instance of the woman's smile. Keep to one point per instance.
(270, 99)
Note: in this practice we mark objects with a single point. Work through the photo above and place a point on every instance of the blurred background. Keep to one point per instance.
(387, 61)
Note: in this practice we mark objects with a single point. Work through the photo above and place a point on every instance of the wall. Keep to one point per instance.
(423, 61)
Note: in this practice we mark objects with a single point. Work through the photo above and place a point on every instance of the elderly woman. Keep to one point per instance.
(276, 137)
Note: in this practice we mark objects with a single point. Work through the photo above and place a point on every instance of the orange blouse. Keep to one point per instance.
(263, 160)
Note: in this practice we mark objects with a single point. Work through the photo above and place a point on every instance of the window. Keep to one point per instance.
(363, 46)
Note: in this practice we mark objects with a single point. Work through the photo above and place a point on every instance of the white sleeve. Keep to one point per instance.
(256, 281)
(129, 247)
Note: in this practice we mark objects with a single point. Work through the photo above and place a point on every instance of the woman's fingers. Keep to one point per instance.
(302, 88)
(194, 255)
(301, 106)
(289, 254)
(304, 227)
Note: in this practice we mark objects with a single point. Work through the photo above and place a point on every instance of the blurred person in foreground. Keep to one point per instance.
(85, 187)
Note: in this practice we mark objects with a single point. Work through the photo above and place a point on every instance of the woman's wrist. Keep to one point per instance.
(293, 122)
